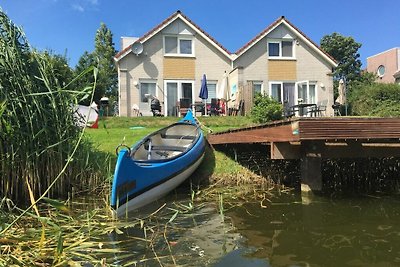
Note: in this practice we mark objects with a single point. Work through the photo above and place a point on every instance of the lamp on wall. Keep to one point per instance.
(322, 85)
(135, 83)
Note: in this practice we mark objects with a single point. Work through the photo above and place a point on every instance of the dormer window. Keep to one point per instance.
(280, 49)
(178, 46)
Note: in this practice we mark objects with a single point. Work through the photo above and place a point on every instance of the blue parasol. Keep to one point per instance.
(204, 92)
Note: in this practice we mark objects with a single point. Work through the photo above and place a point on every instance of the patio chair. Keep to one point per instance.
(288, 111)
(336, 109)
(184, 105)
(215, 108)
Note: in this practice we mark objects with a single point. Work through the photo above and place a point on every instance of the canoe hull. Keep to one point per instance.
(156, 192)
(156, 165)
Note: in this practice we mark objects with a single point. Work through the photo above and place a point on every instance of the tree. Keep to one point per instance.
(86, 61)
(102, 58)
(345, 51)
(104, 53)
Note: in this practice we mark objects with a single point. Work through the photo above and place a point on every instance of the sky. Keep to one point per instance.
(68, 27)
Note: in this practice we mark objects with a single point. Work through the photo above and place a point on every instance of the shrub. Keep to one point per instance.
(265, 109)
(376, 99)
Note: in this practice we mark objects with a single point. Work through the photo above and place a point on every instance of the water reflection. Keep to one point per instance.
(196, 238)
(290, 231)
(343, 232)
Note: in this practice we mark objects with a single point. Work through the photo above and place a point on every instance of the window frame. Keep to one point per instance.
(279, 41)
(147, 81)
(261, 83)
(270, 90)
(178, 45)
(308, 83)
(211, 82)
(179, 91)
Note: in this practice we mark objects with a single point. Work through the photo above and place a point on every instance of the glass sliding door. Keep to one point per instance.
(172, 98)
(175, 91)
(288, 94)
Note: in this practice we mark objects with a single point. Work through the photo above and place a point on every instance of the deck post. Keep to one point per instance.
(310, 166)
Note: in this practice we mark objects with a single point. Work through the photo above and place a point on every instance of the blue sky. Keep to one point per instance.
(69, 26)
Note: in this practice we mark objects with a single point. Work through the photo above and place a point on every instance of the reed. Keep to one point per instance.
(38, 132)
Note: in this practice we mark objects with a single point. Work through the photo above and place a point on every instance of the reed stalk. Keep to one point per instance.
(39, 138)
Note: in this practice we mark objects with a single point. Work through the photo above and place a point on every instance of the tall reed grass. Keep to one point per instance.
(38, 131)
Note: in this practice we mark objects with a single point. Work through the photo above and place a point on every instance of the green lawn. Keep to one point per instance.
(115, 131)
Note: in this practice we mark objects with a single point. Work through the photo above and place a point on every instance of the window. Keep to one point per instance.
(257, 88)
(176, 45)
(381, 71)
(276, 91)
(306, 92)
(273, 49)
(147, 88)
(280, 49)
(212, 90)
(282, 92)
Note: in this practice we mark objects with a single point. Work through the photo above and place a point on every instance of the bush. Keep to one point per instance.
(376, 99)
(266, 109)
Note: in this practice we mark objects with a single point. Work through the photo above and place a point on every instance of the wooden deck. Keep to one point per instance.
(301, 129)
(312, 139)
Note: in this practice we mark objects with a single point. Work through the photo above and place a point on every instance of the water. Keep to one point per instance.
(288, 231)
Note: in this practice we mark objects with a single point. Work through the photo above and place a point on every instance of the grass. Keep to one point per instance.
(114, 131)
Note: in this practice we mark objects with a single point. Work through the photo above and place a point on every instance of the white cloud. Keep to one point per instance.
(83, 6)
(78, 7)
(94, 2)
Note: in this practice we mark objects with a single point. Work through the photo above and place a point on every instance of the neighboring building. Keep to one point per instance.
(170, 60)
(386, 65)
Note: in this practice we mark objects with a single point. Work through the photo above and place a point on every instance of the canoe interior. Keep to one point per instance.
(167, 143)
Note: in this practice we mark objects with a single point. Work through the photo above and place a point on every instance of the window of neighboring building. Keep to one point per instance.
(177, 45)
(381, 71)
(280, 49)
(147, 88)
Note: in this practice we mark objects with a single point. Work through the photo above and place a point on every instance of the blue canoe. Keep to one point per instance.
(156, 165)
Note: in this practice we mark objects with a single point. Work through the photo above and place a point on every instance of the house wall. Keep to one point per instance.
(179, 68)
(282, 70)
(310, 66)
(307, 65)
(252, 65)
(209, 61)
(146, 66)
(390, 59)
(153, 65)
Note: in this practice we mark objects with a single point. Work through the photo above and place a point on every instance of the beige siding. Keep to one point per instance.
(254, 63)
(146, 66)
(310, 66)
(209, 61)
(282, 70)
(179, 68)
